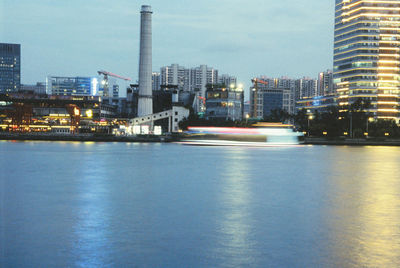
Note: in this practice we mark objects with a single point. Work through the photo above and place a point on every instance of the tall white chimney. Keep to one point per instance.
(145, 103)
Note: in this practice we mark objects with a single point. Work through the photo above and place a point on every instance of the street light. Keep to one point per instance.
(351, 124)
(369, 119)
(310, 117)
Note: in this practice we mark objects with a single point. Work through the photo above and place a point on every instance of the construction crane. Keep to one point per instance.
(255, 94)
(106, 75)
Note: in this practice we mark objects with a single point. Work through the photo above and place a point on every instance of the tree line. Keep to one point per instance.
(354, 122)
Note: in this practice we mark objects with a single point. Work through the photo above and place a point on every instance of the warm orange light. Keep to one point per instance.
(76, 111)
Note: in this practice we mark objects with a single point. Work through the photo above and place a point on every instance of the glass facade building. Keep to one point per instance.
(10, 67)
(71, 86)
(367, 55)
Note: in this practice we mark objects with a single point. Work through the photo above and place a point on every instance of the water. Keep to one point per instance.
(168, 205)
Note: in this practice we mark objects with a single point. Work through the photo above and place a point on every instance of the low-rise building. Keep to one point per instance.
(38, 88)
(264, 100)
(224, 103)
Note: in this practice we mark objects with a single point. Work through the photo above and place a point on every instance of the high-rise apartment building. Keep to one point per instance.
(201, 76)
(227, 80)
(190, 79)
(367, 54)
(305, 88)
(10, 67)
(325, 83)
(175, 75)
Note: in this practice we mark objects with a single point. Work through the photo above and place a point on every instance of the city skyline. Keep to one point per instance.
(276, 39)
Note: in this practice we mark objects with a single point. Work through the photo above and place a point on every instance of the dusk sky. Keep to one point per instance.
(241, 38)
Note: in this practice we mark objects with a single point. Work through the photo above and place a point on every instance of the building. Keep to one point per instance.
(10, 67)
(275, 98)
(156, 81)
(202, 76)
(224, 103)
(175, 75)
(38, 88)
(71, 86)
(366, 55)
(317, 103)
(306, 88)
(269, 94)
(28, 111)
(189, 79)
(108, 88)
(227, 80)
(325, 83)
(246, 109)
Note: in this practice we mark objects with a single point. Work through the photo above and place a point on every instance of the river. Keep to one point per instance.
(72, 204)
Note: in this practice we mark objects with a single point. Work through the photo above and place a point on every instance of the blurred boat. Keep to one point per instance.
(259, 135)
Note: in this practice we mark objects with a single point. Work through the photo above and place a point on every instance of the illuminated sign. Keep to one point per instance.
(94, 84)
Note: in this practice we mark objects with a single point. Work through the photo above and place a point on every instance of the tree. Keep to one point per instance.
(277, 115)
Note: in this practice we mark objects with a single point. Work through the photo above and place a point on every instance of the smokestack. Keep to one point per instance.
(145, 104)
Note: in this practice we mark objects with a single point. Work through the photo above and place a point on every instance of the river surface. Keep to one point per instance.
(71, 204)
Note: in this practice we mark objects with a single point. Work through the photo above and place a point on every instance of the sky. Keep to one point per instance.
(244, 38)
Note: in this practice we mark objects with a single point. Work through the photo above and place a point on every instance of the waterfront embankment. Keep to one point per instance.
(177, 137)
(84, 137)
(351, 142)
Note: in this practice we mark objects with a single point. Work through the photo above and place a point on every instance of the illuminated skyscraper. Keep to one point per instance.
(10, 67)
(367, 54)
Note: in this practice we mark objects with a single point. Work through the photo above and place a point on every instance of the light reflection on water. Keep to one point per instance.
(365, 208)
(166, 205)
(91, 229)
(234, 224)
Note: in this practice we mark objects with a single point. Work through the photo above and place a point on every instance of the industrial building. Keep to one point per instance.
(10, 67)
(366, 55)
(145, 105)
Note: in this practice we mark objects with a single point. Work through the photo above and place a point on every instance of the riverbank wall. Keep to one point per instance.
(352, 142)
(84, 137)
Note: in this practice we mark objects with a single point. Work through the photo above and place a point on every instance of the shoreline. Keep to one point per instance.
(173, 138)
(352, 142)
(84, 137)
